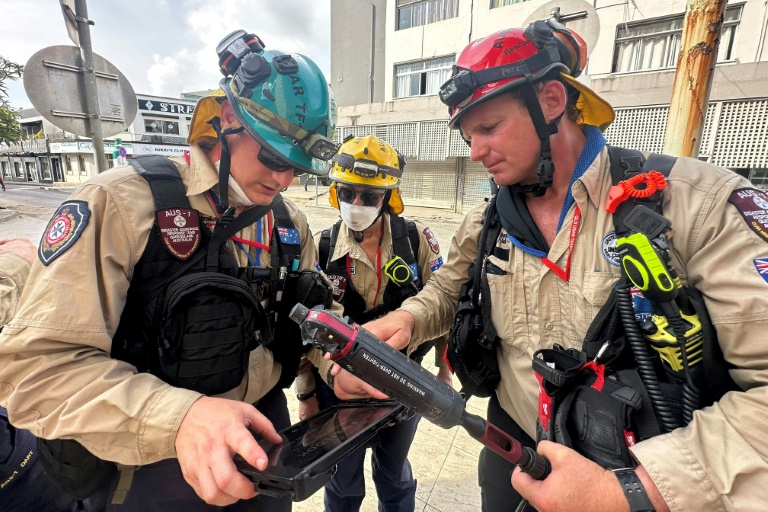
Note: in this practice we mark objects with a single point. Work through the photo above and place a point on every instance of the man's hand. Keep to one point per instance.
(18, 246)
(395, 328)
(348, 387)
(308, 407)
(575, 484)
(211, 433)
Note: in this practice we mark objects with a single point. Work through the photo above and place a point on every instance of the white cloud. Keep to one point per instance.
(167, 47)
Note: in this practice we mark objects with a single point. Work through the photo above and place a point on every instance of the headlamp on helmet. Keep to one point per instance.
(234, 47)
(319, 147)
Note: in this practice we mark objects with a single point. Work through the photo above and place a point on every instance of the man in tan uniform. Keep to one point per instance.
(553, 269)
(58, 378)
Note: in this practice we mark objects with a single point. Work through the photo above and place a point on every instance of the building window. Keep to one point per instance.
(19, 170)
(45, 170)
(655, 44)
(68, 165)
(423, 77)
(6, 170)
(414, 13)
(161, 126)
(81, 165)
(502, 3)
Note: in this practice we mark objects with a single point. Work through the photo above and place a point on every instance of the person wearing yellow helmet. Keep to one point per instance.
(577, 333)
(375, 259)
(153, 331)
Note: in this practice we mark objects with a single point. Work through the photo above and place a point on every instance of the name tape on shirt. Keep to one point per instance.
(180, 231)
(752, 205)
(63, 230)
(432, 239)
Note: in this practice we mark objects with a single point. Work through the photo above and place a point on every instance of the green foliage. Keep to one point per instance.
(10, 132)
(8, 71)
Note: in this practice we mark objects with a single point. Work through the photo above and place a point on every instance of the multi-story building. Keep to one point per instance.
(49, 155)
(389, 58)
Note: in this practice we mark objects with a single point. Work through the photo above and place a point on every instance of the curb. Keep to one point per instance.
(6, 214)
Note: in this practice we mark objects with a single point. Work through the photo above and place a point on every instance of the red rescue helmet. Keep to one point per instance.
(513, 57)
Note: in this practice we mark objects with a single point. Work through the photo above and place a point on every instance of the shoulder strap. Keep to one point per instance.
(324, 248)
(163, 178)
(626, 163)
(289, 252)
(413, 236)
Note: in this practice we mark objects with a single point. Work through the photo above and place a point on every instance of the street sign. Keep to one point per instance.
(52, 80)
(68, 10)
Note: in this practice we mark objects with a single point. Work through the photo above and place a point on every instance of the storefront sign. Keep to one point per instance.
(164, 106)
(64, 147)
(158, 149)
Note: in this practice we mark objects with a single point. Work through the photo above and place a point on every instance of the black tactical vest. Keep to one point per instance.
(405, 243)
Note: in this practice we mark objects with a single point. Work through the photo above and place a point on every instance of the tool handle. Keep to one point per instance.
(538, 466)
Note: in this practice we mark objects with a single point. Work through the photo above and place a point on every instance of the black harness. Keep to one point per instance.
(405, 243)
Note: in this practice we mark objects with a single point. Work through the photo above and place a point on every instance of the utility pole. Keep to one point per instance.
(693, 79)
(89, 81)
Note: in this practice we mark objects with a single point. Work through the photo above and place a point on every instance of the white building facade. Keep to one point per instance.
(389, 58)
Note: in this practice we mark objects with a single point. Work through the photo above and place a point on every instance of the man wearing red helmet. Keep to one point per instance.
(555, 264)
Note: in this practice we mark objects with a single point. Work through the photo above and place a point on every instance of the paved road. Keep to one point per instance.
(33, 207)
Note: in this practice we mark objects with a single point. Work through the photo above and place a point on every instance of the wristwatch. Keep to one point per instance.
(634, 490)
(306, 396)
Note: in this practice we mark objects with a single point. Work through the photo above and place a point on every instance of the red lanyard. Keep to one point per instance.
(258, 245)
(378, 273)
(565, 274)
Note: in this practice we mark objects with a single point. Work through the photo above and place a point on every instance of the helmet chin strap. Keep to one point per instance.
(223, 208)
(546, 168)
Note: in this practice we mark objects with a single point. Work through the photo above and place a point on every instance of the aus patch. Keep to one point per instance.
(180, 231)
(752, 205)
(63, 230)
(289, 236)
(432, 239)
(339, 284)
(436, 264)
(608, 249)
(761, 264)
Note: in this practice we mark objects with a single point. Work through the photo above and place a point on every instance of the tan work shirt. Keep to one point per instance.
(14, 270)
(719, 461)
(56, 375)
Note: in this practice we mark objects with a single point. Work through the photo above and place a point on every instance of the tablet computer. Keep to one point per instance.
(306, 459)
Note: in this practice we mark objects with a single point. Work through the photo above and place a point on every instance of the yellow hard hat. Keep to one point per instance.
(367, 162)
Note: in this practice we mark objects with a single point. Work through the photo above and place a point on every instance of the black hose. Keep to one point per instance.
(644, 360)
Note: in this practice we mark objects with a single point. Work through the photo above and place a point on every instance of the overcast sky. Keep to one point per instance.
(165, 47)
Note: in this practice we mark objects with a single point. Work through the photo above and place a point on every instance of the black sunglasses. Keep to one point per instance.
(271, 161)
(348, 195)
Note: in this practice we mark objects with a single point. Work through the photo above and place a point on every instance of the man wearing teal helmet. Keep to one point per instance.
(183, 270)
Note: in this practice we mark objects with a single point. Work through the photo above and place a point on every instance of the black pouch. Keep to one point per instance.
(586, 407)
(472, 343)
(306, 287)
(211, 323)
(78, 471)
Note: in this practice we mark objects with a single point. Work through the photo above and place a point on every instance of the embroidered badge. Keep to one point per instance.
(608, 249)
(432, 239)
(761, 264)
(180, 231)
(289, 236)
(63, 230)
(339, 284)
(317, 266)
(436, 264)
(752, 204)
